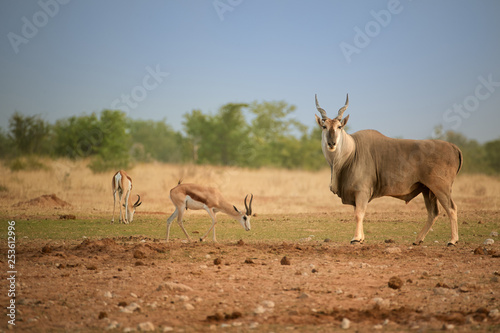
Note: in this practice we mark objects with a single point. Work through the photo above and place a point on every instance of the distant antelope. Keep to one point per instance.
(193, 196)
(368, 165)
(122, 184)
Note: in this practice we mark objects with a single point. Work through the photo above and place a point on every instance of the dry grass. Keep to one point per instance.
(276, 191)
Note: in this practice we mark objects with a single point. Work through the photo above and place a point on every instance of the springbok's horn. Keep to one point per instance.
(342, 109)
(249, 207)
(320, 110)
(137, 203)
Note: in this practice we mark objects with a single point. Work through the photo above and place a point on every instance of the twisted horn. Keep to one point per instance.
(137, 203)
(249, 207)
(320, 110)
(342, 109)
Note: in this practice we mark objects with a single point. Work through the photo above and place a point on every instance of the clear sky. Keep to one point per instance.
(407, 65)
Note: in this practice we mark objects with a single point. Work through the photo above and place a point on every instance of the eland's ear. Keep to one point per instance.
(344, 121)
(319, 121)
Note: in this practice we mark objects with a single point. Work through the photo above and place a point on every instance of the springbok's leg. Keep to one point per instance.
(120, 196)
(431, 204)
(170, 220)
(214, 222)
(179, 221)
(114, 204)
(126, 206)
(361, 202)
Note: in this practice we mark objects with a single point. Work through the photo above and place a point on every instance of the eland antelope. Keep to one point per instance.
(367, 165)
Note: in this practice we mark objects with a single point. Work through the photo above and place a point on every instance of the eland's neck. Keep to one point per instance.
(344, 152)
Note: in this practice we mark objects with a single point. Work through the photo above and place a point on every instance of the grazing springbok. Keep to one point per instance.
(368, 165)
(122, 184)
(193, 196)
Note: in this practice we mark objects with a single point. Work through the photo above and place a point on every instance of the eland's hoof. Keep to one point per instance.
(451, 244)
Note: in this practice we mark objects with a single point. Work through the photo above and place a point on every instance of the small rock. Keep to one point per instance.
(139, 263)
(240, 242)
(168, 329)
(494, 234)
(395, 283)
(268, 304)
(92, 267)
(131, 308)
(494, 313)
(249, 261)
(303, 296)
(108, 294)
(285, 261)
(253, 325)
(489, 241)
(138, 254)
(393, 250)
(46, 249)
(448, 327)
(146, 327)
(217, 261)
(259, 309)
(479, 250)
(445, 292)
(113, 325)
(327, 240)
(102, 315)
(188, 306)
(389, 241)
(346, 323)
(172, 286)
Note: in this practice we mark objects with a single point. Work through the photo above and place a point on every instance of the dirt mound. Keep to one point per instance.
(101, 245)
(44, 201)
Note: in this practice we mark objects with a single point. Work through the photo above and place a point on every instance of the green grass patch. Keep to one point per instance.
(293, 228)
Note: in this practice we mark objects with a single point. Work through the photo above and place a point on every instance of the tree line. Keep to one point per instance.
(247, 135)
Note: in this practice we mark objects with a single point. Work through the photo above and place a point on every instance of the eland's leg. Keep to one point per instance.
(359, 212)
(431, 203)
(451, 209)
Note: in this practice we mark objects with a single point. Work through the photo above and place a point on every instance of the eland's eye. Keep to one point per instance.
(324, 127)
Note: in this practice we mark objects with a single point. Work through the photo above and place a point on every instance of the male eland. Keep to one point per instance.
(368, 165)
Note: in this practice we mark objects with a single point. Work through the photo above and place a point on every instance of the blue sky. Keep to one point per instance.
(407, 65)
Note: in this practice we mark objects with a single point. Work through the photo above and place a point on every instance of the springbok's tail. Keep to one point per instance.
(116, 182)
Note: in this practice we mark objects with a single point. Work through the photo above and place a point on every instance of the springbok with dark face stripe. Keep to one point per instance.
(368, 165)
(121, 184)
(193, 196)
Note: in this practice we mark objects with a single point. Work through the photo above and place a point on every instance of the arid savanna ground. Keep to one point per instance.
(293, 271)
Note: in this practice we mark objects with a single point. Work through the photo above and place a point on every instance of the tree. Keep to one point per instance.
(272, 134)
(28, 133)
(220, 139)
(78, 137)
(156, 140)
(231, 134)
(492, 149)
(199, 131)
(113, 152)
